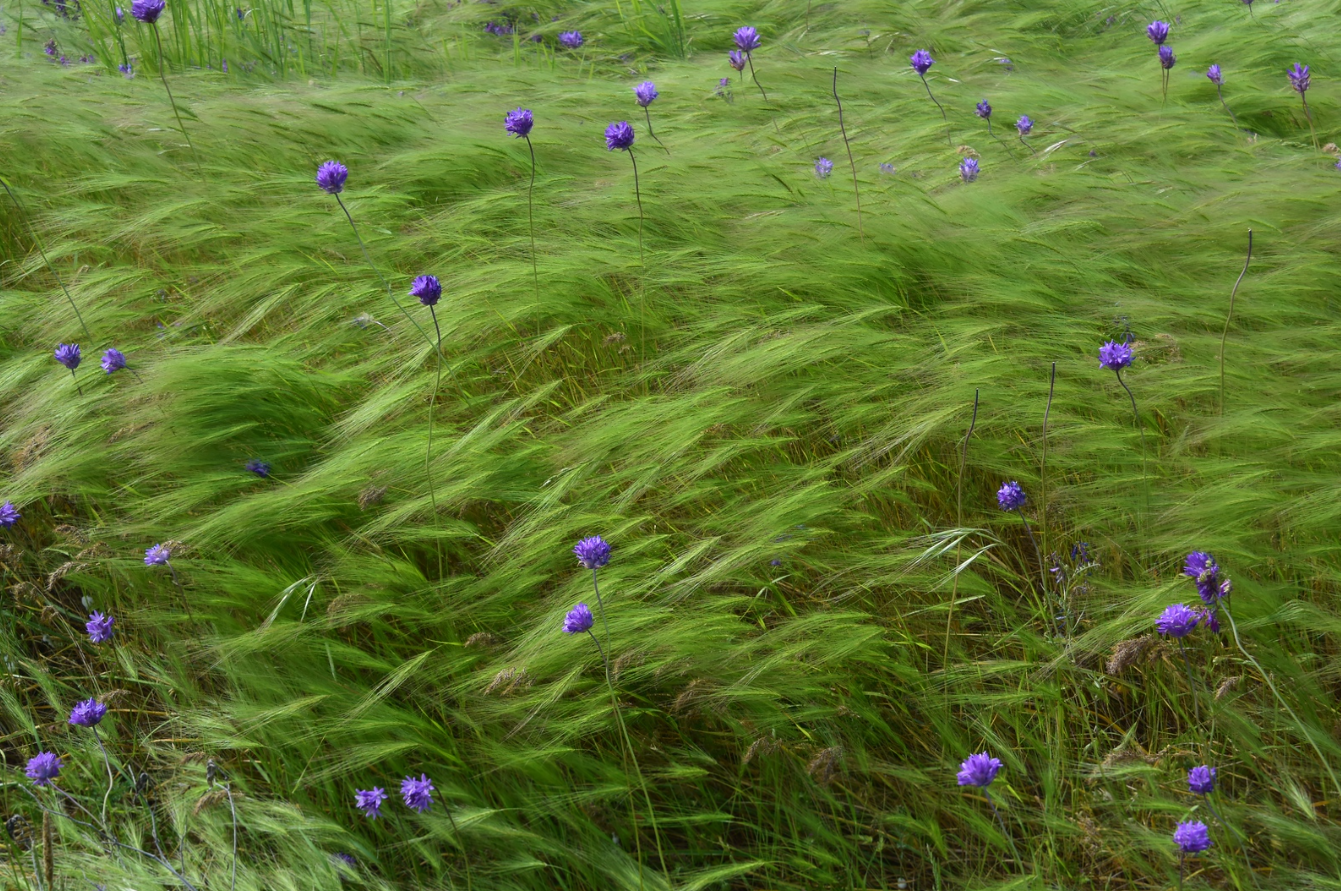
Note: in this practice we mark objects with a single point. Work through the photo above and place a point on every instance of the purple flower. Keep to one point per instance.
(619, 136)
(537, 38)
(120, 15)
(823, 167)
(645, 93)
(224, 66)
(1299, 78)
(127, 70)
(1209, 620)
(50, 48)
(1177, 621)
(1214, 75)
(99, 627)
(1166, 57)
(747, 39)
(345, 859)
(427, 288)
(1201, 780)
(979, 770)
(983, 110)
(331, 177)
(113, 360)
(1202, 567)
(1192, 837)
(1114, 355)
(88, 713)
(921, 62)
(570, 39)
(593, 552)
(519, 122)
(9, 515)
(43, 768)
(1024, 125)
(418, 794)
(147, 11)
(1010, 496)
(1158, 31)
(157, 555)
(968, 169)
(68, 355)
(737, 60)
(258, 467)
(370, 801)
(886, 167)
(579, 619)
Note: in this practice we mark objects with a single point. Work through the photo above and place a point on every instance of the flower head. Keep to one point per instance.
(418, 794)
(737, 59)
(593, 552)
(978, 770)
(120, 15)
(43, 768)
(519, 122)
(1209, 620)
(886, 167)
(343, 859)
(1024, 125)
(921, 61)
(157, 555)
(99, 627)
(823, 167)
(579, 619)
(1213, 74)
(968, 169)
(1157, 31)
(1166, 57)
(1192, 837)
(68, 355)
(1177, 621)
(746, 39)
(1114, 355)
(1010, 496)
(570, 39)
(9, 515)
(370, 801)
(983, 110)
(113, 360)
(1299, 78)
(331, 177)
(147, 11)
(258, 467)
(645, 93)
(88, 713)
(1201, 780)
(427, 288)
(1202, 567)
(127, 70)
(619, 136)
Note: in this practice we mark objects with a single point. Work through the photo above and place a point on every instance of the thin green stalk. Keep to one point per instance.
(842, 129)
(465, 855)
(1043, 463)
(1219, 91)
(1308, 114)
(948, 139)
(1229, 316)
(749, 57)
(1191, 681)
(648, 112)
(111, 779)
(1004, 830)
(428, 453)
(41, 250)
(637, 193)
(163, 75)
(1136, 415)
(530, 217)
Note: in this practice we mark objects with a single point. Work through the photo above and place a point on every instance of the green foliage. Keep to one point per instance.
(768, 386)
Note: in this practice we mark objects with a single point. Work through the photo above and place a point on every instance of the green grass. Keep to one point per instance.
(765, 385)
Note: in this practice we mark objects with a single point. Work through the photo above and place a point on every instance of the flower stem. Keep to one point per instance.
(530, 218)
(75, 378)
(638, 194)
(1192, 682)
(228, 790)
(1043, 464)
(600, 606)
(647, 111)
(163, 74)
(1308, 114)
(1229, 316)
(1221, 93)
(1243, 843)
(843, 129)
(1139, 429)
(959, 522)
(111, 780)
(948, 140)
(1004, 830)
(749, 57)
(465, 855)
(37, 241)
(1027, 145)
(428, 453)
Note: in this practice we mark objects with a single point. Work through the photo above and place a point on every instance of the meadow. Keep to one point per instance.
(334, 522)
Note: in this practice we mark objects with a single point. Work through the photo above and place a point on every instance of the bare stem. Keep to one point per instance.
(843, 130)
(948, 140)
(530, 218)
(428, 453)
(111, 780)
(637, 193)
(1229, 316)
(749, 57)
(163, 74)
(647, 111)
(1004, 830)
(1220, 92)
(1043, 464)
(1308, 114)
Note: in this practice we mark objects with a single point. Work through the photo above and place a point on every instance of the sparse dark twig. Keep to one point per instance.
(843, 129)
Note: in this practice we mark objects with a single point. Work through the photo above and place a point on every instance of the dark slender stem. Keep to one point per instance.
(163, 74)
(1308, 114)
(648, 112)
(959, 522)
(1004, 830)
(749, 57)
(1219, 91)
(1027, 145)
(1192, 681)
(843, 130)
(465, 855)
(428, 453)
(1005, 145)
(41, 250)
(37, 874)
(1042, 573)
(948, 140)
(1180, 870)
(1043, 464)
(637, 193)
(75, 378)
(530, 218)
(600, 606)
(385, 283)
(1229, 316)
(111, 779)
(1140, 429)
(228, 790)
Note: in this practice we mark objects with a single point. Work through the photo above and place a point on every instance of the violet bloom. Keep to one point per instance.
(68, 355)
(823, 167)
(1209, 620)
(1024, 125)
(258, 467)
(1299, 78)
(1011, 496)
(113, 360)
(127, 70)
(619, 136)
(147, 11)
(737, 59)
(1213, 74)
(1192, 838)
(886, 167)
(519, 122)
(331, 177)
(120, 15)
(747, 39)
(979, 770)
(921, 62)
(1166, 57)
(645, 93)
(346, 859)
(579, 619)
(1178, 621)
(1158, 32)
(158, 555)
(88, 713)
(1114, 355)
(9, 515)
(968, 169)
(570, 39)
(1201, 567)
(99, 627)
(983, 110)
(427, 288)
(1201, 780)
(593, 552)
(43, 768)
(370, 801)
(418, 794)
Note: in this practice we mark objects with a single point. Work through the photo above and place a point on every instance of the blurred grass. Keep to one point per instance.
(766, 386)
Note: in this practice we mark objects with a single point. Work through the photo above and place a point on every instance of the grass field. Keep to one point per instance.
(814, 615)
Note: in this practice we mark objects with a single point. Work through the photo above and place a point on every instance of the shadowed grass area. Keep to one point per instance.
(764, 418)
